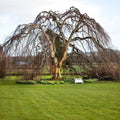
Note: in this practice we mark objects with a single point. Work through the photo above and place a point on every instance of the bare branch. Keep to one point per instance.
(66, 28)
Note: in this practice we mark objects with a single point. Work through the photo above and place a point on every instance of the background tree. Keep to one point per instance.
(76, 33)
(2, 63)
(107, 65)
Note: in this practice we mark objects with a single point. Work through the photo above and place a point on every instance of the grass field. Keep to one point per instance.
(92, 101)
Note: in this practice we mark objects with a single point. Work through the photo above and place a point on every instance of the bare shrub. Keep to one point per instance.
(106, 66)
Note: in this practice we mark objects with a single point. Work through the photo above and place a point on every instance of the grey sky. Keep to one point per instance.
(15, 12)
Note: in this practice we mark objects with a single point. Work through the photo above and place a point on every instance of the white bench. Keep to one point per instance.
(78, 80)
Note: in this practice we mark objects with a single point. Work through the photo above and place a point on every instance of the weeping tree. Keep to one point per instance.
(77, 33)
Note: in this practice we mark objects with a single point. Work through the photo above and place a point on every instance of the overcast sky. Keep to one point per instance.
(15, 12)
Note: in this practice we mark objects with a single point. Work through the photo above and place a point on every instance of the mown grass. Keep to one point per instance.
(96, 101)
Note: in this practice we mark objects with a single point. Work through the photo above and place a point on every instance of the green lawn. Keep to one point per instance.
(92, 101)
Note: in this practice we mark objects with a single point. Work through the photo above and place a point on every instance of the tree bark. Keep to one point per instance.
(57, 73)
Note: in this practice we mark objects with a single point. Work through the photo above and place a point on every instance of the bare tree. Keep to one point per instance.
(106, 65)
(2, 63)
(77, 32)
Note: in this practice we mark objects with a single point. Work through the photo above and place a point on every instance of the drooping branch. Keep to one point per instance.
(72, 29)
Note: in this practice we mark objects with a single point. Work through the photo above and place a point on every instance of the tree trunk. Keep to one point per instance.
(57, 73)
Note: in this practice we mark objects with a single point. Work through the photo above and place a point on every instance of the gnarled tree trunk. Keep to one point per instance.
(57, 73)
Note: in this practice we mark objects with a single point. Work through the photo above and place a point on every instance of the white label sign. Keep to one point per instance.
(78, 80)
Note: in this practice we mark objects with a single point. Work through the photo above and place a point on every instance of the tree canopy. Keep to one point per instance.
(58, 36)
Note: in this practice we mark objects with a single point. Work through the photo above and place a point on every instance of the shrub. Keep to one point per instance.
(61, 82)
(2, 74)
(103, 72)
(90, 80)
(51, 82)
(26, 82)
(56, 82)
(2, 68)
(44, 82)
(70, 80)
(38, 81)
